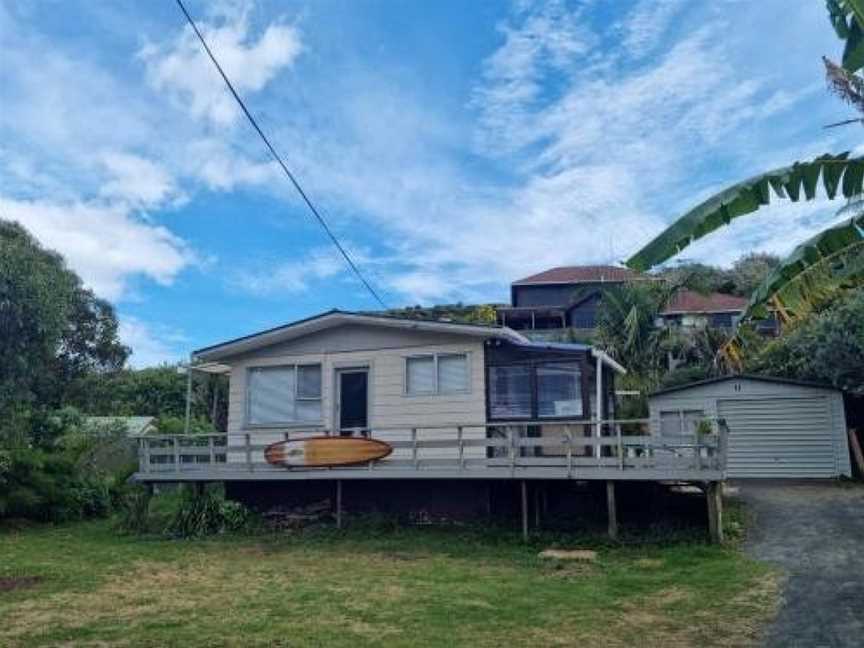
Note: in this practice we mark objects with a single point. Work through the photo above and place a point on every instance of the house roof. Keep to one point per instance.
(690, 301)
(134, 425)
(769, 379)
(580, 274)
(333, 318)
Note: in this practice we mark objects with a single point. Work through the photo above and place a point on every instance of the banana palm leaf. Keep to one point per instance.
(847, 18)
(815, 271)
(837, 173)
(833, 259)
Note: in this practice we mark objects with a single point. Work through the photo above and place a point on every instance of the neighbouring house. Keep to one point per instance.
(562, 298)
(777, 427)
(692, 310)
(118, 436)
(132, 425)
(468, 411)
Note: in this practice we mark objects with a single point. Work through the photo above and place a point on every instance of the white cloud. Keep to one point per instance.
(294, 276)
(646, 24)
(182, 68)
(151, 344)
(777, 228)
(105, 244)
(137, 181)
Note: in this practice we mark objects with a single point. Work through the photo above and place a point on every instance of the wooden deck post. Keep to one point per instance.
(714, 495)
(188, 419)
(338, 503)
(524, 511)
(537, 506)
(612, 510)
(598, 405)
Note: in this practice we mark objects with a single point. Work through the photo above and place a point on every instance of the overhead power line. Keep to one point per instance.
(279, 161)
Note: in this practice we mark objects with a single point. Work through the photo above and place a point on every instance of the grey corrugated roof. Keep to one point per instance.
(134, 424)
(771, 379)
(273, 333)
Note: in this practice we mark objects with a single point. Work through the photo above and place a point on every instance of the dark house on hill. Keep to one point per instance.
(564, 297)
(692, 310)
(569, 297)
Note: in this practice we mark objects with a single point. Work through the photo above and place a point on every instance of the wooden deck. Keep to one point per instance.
(625, 450)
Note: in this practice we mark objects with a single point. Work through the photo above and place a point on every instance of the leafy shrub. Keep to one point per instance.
(133, 506)
(47, 486)
(208, 513)
(177, 425)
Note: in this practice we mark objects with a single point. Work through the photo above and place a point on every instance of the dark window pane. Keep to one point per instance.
(510, 392)
(559, 390)
(309, 381)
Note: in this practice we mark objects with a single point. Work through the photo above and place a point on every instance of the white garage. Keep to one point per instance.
(777, 428)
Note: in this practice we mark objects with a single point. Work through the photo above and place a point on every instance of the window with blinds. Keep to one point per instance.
(288, 394)
(442, 373)
(510, 392)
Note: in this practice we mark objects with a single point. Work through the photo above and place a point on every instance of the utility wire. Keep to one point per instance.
(278, 159)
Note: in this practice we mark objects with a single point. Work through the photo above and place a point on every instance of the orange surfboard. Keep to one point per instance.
(326, 451)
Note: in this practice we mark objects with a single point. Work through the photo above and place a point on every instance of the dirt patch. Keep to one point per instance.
(649, 563)
(579, 555)
(21, 582)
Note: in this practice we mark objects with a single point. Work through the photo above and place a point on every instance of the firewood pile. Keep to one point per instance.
(283, 517)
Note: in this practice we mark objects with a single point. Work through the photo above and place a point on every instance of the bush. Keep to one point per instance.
(46, 486)
(177, 425)
(208, 513)
(133, 506)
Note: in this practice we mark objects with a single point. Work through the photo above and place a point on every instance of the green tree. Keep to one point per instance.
(750, 271)
(827, 347)
(53, 331)
(36, 295)
(627, 330)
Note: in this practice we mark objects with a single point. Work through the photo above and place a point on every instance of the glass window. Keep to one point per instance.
(510, 392)
(284, 395)
(680, 421)
(452, 373)
(437, 374)
(309, 381)
(559, 390)
(420, 378)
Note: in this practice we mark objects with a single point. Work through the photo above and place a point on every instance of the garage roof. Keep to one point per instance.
(769, 379)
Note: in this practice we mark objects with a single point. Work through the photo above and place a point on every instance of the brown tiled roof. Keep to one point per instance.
(581, 274)
(689, 301)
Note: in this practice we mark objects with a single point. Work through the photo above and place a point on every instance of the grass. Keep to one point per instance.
(370, 585)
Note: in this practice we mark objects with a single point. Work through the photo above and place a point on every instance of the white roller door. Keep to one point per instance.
(779, 437)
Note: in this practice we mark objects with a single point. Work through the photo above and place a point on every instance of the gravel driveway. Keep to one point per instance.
(814, 531)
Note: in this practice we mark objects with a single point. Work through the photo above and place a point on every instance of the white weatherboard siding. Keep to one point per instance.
(389, 405)
(776, 429)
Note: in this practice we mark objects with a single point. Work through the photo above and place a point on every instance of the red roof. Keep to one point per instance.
(581, 274)
(689, 301)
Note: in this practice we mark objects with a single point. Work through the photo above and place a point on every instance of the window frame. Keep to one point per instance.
(247, 422)
(584, 390)
(437, 391)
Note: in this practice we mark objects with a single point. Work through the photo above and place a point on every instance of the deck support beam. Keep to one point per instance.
(537, 506)
(714, 495)
(525, 510)
(188, 414)
(612, 510)
(598, 405)
(338, 503)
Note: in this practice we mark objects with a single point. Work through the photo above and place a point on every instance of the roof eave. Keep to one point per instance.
(266, 338)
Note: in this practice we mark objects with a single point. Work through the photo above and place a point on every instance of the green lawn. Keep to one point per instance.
(364, 586)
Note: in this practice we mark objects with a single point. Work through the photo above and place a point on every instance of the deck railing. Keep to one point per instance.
(624, 449)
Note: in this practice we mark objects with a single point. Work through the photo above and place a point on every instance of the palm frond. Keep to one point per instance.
(837, 173)
(817, 270)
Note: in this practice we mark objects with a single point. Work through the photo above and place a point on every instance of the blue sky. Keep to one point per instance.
(453, 146)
